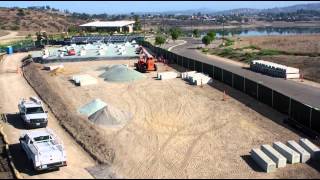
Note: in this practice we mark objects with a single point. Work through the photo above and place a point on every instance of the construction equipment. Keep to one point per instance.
(146, 62)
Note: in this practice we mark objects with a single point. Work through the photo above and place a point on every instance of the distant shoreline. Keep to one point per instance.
(254, 25)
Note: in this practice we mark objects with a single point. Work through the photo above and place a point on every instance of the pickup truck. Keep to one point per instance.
(32, 113)
(43, 149)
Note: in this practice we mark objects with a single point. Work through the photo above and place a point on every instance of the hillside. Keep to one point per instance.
(32, 20)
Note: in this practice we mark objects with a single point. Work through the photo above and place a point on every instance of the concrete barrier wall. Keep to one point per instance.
(299, 113)
(251, 88)
(281, 102)
(217, 73)
(208, 69)
(315, 120)
(227, 77)
(265, 95)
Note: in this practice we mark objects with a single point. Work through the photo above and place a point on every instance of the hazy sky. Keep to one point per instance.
(111, 7)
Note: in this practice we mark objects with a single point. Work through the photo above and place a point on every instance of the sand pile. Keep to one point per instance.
(121, 73)
(110, 116)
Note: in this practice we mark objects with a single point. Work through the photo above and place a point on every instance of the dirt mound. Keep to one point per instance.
(110, 116)
(121, 73)
(79, 127)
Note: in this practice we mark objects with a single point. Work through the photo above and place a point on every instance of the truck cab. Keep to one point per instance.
(43, 149)
(32, 113)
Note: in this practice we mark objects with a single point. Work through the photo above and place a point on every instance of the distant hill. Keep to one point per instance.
(33, 20)
(311, 6)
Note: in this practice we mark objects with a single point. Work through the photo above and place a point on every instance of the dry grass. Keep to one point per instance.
(296, 43)
(34, 21)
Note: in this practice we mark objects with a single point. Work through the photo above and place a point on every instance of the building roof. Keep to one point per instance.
(108, 24)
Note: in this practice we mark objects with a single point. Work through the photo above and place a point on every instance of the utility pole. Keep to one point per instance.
(222, 30)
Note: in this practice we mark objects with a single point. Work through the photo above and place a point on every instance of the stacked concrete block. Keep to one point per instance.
(291, 155)
(274, 69)
(304, 155)
(311, 148)
(167, 75)
(276, 157)
(185, 75)
(263, 160)
(199, 78)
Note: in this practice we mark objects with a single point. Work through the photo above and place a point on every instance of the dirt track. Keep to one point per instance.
(13, 87)
(181, 131)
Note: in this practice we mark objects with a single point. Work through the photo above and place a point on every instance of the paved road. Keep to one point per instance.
(13, 87)
(304, 93)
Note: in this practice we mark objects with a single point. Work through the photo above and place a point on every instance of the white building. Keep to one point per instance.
(119, 26)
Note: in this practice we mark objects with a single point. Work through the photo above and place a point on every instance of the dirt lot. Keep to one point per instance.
(292, 43)
(178, 130)
(13, 87)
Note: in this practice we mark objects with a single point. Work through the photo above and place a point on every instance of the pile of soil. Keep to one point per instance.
(110, 116)
(121, 73)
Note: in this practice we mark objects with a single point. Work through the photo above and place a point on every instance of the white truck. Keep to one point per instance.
(43, 149)
(32, 113)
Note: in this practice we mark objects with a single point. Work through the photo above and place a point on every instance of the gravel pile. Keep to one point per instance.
(121, 73)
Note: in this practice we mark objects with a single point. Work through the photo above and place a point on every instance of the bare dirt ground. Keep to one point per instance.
(308, 64)
(13, 87)
(179, 130)
(291, 43)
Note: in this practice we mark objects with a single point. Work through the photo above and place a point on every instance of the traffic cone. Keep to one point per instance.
(301, 77)
(224, 98)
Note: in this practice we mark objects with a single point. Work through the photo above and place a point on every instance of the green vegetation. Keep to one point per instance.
(196, 33)
(17, 44)
(137, 25)
(212, 35)
(206, 40)
(14, 28)
(175, 33)
(160, 40)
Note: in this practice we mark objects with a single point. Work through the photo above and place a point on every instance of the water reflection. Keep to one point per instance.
(263, 31)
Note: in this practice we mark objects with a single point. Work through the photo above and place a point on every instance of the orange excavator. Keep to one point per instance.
(146, 62)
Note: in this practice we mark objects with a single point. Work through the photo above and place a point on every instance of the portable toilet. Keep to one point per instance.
(9, 50)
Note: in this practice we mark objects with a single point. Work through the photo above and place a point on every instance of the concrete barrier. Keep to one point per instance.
(276, 157)
(263, 160)
(304, 155)
(291, 155)
(311, 148)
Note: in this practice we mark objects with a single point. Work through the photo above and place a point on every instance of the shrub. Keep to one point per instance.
(206, 40)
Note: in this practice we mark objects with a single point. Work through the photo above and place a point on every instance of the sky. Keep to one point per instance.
(115, 7)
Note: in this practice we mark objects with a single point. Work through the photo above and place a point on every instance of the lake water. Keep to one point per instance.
(265, 31)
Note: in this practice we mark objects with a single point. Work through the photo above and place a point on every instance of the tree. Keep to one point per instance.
(212, 35)
(175, 33)
(137, 24)
(206, 40)
(196, 33)
(160, 40)
(20, 12)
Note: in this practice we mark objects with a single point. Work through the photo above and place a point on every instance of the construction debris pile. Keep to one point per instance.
(103, 114)
(121, 73)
